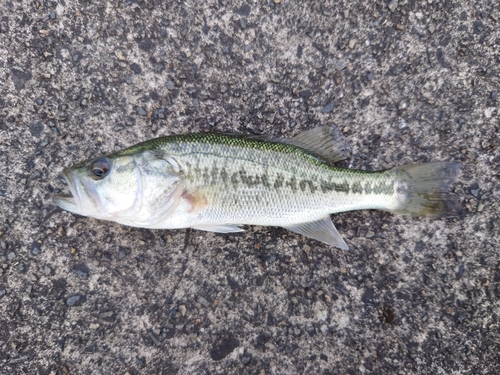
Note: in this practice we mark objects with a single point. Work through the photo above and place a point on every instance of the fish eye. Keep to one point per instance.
(98, 168)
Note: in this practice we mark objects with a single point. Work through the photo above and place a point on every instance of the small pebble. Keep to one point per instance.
(393, 4)
(328, 108)
(269, 345)
(70, 301)
(136, 68)
(120, 56)
(47, 270)
(474, 189)
(418, 31)
(35, 248)
(340, 65)
(370, 234)
(182, 310)
(247, 357)
(142, 112)
(203, 301)
(81, 269)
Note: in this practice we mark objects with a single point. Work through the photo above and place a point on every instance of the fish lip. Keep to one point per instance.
(91, 193)
(69, 202)
(83, 198)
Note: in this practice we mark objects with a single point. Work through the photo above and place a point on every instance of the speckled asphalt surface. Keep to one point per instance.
(406, 81)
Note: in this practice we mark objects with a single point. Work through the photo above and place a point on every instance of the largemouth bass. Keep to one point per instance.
(218, 182)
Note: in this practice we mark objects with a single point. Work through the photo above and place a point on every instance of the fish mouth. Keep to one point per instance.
(83, 198)
(70, 202)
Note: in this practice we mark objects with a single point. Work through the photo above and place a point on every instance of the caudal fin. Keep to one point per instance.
(425, 189)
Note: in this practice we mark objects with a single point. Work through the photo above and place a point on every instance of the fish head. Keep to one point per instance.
(118, 187)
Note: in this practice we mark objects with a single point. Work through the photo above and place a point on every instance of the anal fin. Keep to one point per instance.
(219, 228)
(322, 230)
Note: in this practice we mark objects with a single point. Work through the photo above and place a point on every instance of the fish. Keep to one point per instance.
(220, 182)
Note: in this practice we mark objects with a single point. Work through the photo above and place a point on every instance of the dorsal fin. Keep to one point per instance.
(325, 141)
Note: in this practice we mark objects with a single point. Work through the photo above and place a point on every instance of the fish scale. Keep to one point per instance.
(300, 188)
(218, 182)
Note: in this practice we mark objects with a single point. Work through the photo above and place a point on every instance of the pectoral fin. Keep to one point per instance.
(165, 202)
(219, 228)
(322, 230)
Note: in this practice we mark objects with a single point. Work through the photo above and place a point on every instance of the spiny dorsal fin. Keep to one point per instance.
(325, 141)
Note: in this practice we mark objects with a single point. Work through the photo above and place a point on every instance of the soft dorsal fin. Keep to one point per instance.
(325, 141)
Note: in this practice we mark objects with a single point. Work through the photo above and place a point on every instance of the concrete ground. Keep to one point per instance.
(406, 81)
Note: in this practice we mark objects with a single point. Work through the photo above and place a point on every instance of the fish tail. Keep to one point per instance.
(423, 189)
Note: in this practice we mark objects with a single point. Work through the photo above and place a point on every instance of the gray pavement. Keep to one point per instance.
(406, 82)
